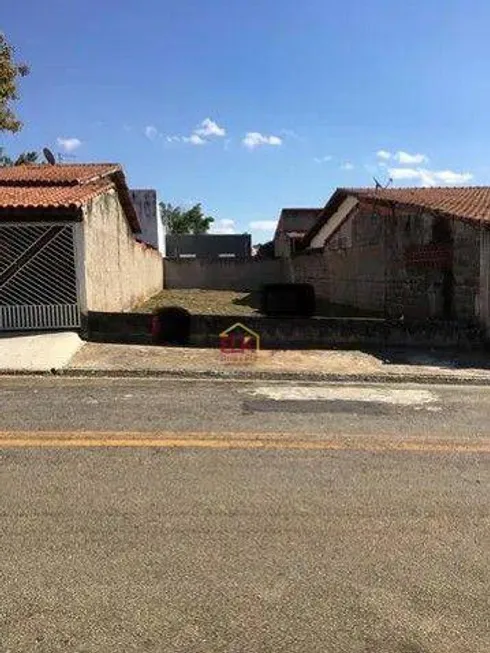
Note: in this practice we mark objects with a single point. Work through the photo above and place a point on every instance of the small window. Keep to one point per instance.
(187, 256)
(226, 255)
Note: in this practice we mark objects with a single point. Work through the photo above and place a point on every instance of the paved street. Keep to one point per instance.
(156, 515)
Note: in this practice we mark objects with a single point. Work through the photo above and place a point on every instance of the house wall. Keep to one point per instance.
(466, 269)
(223, 274)
(413, 291)
(417, 291)
(355, 258)
(119, 272)
(484, 296)
(364, 266)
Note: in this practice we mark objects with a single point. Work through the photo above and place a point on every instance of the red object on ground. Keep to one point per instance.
(155, 326)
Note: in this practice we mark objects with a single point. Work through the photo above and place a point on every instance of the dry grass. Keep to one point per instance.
(204, 302)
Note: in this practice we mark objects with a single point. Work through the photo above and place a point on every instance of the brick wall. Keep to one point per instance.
(119, 273)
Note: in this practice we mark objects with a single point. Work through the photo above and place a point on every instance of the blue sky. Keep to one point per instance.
(249, 106)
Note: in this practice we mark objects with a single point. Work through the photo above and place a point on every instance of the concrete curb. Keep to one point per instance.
(247, 375)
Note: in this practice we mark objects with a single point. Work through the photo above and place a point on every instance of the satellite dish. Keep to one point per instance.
(379, 185)
(49, 156)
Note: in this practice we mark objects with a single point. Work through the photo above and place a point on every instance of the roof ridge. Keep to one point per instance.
(410, 188)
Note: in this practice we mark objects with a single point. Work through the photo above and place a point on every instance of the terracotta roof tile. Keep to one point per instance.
(32, 182)
(471, 203)
(59, 174)
(50, 196)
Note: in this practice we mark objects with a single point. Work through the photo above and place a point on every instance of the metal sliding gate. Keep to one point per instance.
(38, 280)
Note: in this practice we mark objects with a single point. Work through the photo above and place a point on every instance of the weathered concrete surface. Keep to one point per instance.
(103, 358)
(39, 353)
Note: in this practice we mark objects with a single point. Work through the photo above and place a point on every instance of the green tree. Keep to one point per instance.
(24, 158)
(178, 221)
(10, 71)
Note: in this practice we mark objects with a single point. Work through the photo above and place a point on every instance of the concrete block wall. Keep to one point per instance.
(119, 272)
(466, 269)
(312, 268)
(416, 292)
(244, 275)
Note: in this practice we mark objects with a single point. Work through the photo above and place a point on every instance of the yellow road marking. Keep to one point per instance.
(243, 441)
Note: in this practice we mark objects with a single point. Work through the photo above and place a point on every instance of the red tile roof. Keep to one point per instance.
(469, 203)
(59, 175)
(50, 196)
(63, 185)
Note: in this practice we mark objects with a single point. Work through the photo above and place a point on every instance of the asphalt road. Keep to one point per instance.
(210, 542)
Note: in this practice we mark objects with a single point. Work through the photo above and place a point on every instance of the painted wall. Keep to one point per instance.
(117, 272)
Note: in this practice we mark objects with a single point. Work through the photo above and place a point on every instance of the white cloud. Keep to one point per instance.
(263, 225)
(194, 139)
(404, 158)
(404, 173)
(383, 154)
(323, 159)
(347, 166)
(225, 226)
(430, 177)
(256, 139)
(151, 132)
(209, 128)
(69, 144)
(450, 177)
(173, 139)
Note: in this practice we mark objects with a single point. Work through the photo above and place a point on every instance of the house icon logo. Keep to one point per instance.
(240, 341)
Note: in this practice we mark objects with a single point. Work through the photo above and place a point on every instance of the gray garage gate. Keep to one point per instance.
(38, 280)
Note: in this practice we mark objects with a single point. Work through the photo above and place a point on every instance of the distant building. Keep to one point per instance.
(292, 226)
(208, 246)
(148, 212)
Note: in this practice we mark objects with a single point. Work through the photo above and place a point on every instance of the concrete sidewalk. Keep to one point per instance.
(135, 360)
(39, 352)
(66, 354)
